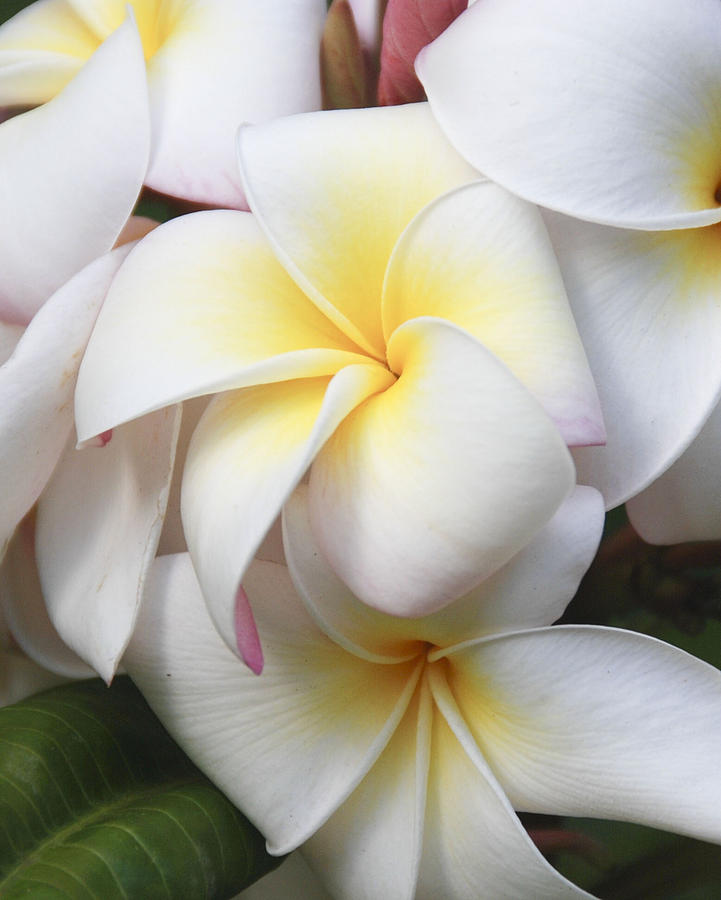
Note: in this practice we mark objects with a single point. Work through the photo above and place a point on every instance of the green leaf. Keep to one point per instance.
(97, 803)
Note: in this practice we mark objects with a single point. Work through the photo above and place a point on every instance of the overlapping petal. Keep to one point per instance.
(457, 447)
(469, 818)
(684, 504)
(249, 451)
(36, 385)
(335, 207)
(66, 188)
(99, 521)
(584, 720)
(293, 878)
(287, 757)
(533, 588)
(606, 111)
(647, 306)
(481, 258)
(202, 305)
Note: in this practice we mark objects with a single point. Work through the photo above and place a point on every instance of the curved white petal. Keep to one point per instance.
(99, 521)
(225, 63)
(371, 846)
(36, 388)
(684, 504)
(532, 589)
(474, 844)
(75, 165)
(335, 206)
(481, 258)
(434, 484)
(592, 721)
(201, 305)
(287, 747)
(249, 451)
(573, 105)
(23, 606)
(648, 307)
(20, 677)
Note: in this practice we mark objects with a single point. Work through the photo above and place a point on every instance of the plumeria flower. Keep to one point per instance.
(571, 106)
(211, 64)
(67, 193)
(382, 315)
(394, 751)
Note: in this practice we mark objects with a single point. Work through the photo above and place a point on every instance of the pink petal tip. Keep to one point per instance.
(246, 634)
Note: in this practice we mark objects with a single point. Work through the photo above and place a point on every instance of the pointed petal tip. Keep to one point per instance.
(246, 634)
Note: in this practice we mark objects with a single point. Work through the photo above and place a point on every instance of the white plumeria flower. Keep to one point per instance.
(394, 751)
(417, 349)
(211, 64)
(572, 105)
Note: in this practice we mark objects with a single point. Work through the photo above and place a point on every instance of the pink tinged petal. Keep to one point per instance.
(592, 721)
(371, 847)
(246, 634)
(76, 165)
(647, 307)
(288, 747)
(684, 504)
(408, 25)
(24, 608)
(249, 451)
(474, 844)
(482, 259)
(217, 312)
(533, 588)
(264, 64)
(99, 521)
(36, 388)
(334, 208)
(571, 106)
(431, 486)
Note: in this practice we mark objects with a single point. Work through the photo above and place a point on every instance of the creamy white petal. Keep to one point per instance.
(22, 604)
(249, 451)
(481, 258)
(684, 504)
(99, 521)
(474, 844)
(592, 721)
(225, 63)
(434, 484)
(648, 307)
(201, 305)
(75, 165)
(36, 388)
(371, 846)
(606, 111)
(287, 747)
(334, 207)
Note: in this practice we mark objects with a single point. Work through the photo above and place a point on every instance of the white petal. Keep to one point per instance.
(481, 258)
(264, 64)
(591, 721)
(20, 677)
(201, 305)
(335, 206)
(99, 521)
(76, 165)
(287, 747)
(292, 879)
(648, 307)
(570, 105)
(434, 484)
(684, 504)
(36, 388)
(9, 337)
(371, 846)
(248, 453)
(474, 844)
(24, 608)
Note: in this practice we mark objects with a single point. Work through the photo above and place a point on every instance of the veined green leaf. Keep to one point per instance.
(97, 803)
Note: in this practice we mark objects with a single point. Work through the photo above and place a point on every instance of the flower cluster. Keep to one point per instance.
(321, 462)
